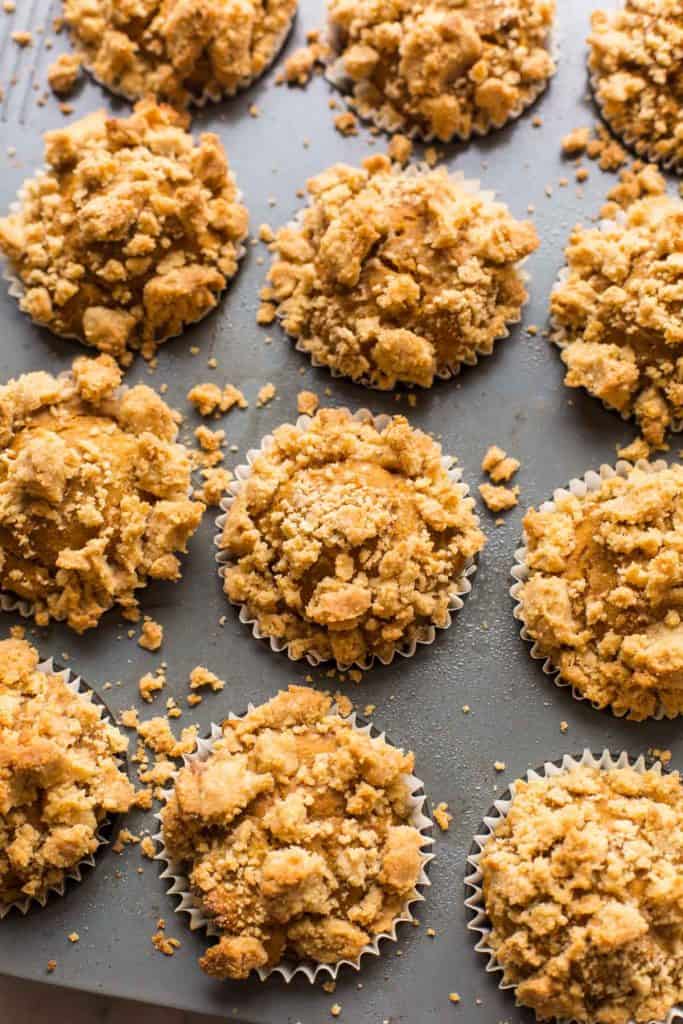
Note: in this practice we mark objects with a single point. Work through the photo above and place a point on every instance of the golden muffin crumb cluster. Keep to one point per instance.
(392, 276)
(131, 234)
(296, 836)
(440, 68)
(581, 884)
(59, 776)
(93, 492)
(179, 51)
(636, 53)
(617, 313)
(602, 600)
(346, 540)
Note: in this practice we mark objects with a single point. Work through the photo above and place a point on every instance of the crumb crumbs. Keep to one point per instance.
(499, 499)
(442, 817)
(266, 394)
(74, 937)
(152, 635)
(148, 848)
(307, 402)
(499, 465)
(499, 766)
(201, 677)
(346, 123)
(454, 997)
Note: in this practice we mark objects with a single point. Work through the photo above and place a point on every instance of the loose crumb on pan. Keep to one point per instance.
(152, 635)
(499, 465)
(499, 499)
(214, 486)
(307, 403)
(156, 734)
(208, 398)
(346, 123)
(202, 677)
(151, 683)
(442, 817)
(266, 394)
(300, 65)
(63, 73)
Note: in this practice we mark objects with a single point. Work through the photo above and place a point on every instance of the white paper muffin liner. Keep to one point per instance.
(472, 187)
(17, 288)
(173, 871)
(78, 686)
(479, 923)
(460, 586)
(337, 76)
(590, 482)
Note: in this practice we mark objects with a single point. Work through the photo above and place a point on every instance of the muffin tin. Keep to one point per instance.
(514, 397)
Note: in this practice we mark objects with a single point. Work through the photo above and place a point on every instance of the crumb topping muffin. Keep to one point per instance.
(347, 540)
(602, 599)
(618, 317)
(581, 884)
(180, 51)
(93, 492)
(131, 234)
(438, 68)
(59, 776)
(394, 276)
(636, 52)
(296, 836)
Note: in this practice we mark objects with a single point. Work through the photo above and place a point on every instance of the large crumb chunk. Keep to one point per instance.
(63, 74)
(499, 465)
(208, 398)
(499, 499)
(152, 635)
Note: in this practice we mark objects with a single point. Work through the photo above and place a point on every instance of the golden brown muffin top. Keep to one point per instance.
(93, 492)
(59, 775)
(178, 50)
(618, 313)
(131, 234)
(393, 275)
(602, 600)
(346, 540)
(582, 885)
(636, 53)
(296, 836)
(442, 69)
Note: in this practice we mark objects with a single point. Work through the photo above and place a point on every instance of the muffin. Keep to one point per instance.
(617, 314)
(180, 51)
(581, 887)
(131, 235)
(636, 53)
(600, 593)
(349, 538)
(296, 836)
(440, 70)
(395, 276)
(93, 492)
(60, 777)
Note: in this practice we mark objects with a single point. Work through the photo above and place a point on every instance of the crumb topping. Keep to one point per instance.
(93, 492)
(178, 50)
(59, 775)
(295, 834)
(392, 276)
(131, 234)
(347, 541)
(618, 314)
(580, 884)
(441, 70)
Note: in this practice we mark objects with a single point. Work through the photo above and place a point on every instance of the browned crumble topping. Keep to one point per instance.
(443, 71)
(164, 944)
(59, 775)
(400, 149)
(392, 276)
(63, 73)
(347, 541)
(602, 598)
(499, 465)
(442, 817)
(22, 38)
(156, 734)
(214, 487)
(636, 54)
(346, 123)
(618, 313)
(148, 848)
(635, 182)
(499, 499)
(149, 685)
(152, 635)
(581, 883)
(303, 62)
(201, 676)
(131, 235)
(295, 836)
(266, 394)
(576, 142)
(208, 398)
(307, 403)
(178, 50)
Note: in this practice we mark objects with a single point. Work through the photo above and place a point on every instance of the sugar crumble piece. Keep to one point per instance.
(442, 817)
(22, 39)
(454, 997)
(63, 73)
(129, 718)
(499, 465)
(164, 944)
(209, 440)
(346, 123)
(152, 635)
(208, 398)
(148, 848)
(637, 449)
(201, 677)
(73, 937)
(125, 838)
(307, 403)
(400, 149)
(266, 394)
(299, 67)
(156, 734)
(499, 499)
(149, 685)
(576, 141)
(51, 966)
(215, 485)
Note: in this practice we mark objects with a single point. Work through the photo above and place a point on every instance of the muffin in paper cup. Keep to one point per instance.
(479, 922)
(106, 826)
(178, 884)
(460, 587)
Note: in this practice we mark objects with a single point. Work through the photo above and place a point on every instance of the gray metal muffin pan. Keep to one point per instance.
(514, 398)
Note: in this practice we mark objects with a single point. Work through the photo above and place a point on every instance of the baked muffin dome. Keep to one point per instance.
(441, 70)
(395, 276)
(581, 883)
(617, 313)
(602, 597)
(180, 51)
(59, 776)
(296, 836)
(93, 492)
(131, 235)
(636, 51)
(348, 540)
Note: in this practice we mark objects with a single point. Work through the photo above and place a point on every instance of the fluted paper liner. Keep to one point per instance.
(173, 871)
(78, 686)
(460, 586)
(479, 923)
(591, 481)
